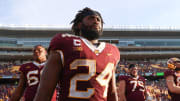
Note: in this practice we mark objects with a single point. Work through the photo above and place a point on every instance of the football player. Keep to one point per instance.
(131, 87)
(172, 77)
(83, 67)
(30, 76)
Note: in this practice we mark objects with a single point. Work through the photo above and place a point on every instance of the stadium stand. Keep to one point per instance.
(148, 48)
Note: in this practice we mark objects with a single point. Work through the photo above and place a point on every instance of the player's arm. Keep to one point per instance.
(171, 85)
(121, 90)
(112, 92)
(16, 96)
(50, 77)
(145, 91)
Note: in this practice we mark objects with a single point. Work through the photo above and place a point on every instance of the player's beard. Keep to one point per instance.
(90, 33)
(40, 59)
(134, 74)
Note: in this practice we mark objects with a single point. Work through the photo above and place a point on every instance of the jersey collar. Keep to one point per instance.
(136, 78)
(97, 50)
(37, 64)
(177, 74)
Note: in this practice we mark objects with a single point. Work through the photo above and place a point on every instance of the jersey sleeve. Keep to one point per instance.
(168, 73)
(117, 53)
(62, 41)
(143, 79)
(56, 42)
(22, 68)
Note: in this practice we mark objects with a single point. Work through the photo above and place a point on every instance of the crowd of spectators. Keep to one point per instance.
(6, 91)
(5, 69)
(9, 69)
(146, 68)
(156, 89)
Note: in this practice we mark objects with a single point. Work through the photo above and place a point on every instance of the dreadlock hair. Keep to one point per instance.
(79, 17)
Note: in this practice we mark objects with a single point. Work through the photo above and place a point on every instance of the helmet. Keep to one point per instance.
(171, 62)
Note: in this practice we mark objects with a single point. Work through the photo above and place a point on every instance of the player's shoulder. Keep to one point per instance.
(168, 73)
(60, 41)
(25, 66)
(123, 77)
(64, 36)
(111, 46)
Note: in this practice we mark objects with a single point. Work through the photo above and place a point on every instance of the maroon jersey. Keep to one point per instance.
(87, 69)
(32, 73)
(174, 97)
(135, 88)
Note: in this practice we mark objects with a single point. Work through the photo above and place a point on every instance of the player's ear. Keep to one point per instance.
(129, 70)
(79, 25)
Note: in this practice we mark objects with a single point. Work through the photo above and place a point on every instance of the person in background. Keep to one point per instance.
(172, 77)
(30, 76)
(131, 87)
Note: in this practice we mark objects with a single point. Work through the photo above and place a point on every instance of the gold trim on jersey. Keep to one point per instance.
(102, 79)
(77, 48)
(73, 92)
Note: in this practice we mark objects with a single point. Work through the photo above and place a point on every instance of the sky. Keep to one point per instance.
(114, 12)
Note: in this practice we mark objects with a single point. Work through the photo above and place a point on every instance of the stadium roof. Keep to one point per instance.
(115, 32)
(106, 28)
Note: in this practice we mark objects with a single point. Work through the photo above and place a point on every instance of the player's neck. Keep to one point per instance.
(134, 76)
(178, 71)
(95, 43)
(40, 61)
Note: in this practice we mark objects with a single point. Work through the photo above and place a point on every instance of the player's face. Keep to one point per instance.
(134, 71)
(91, 27)
(39, 54)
